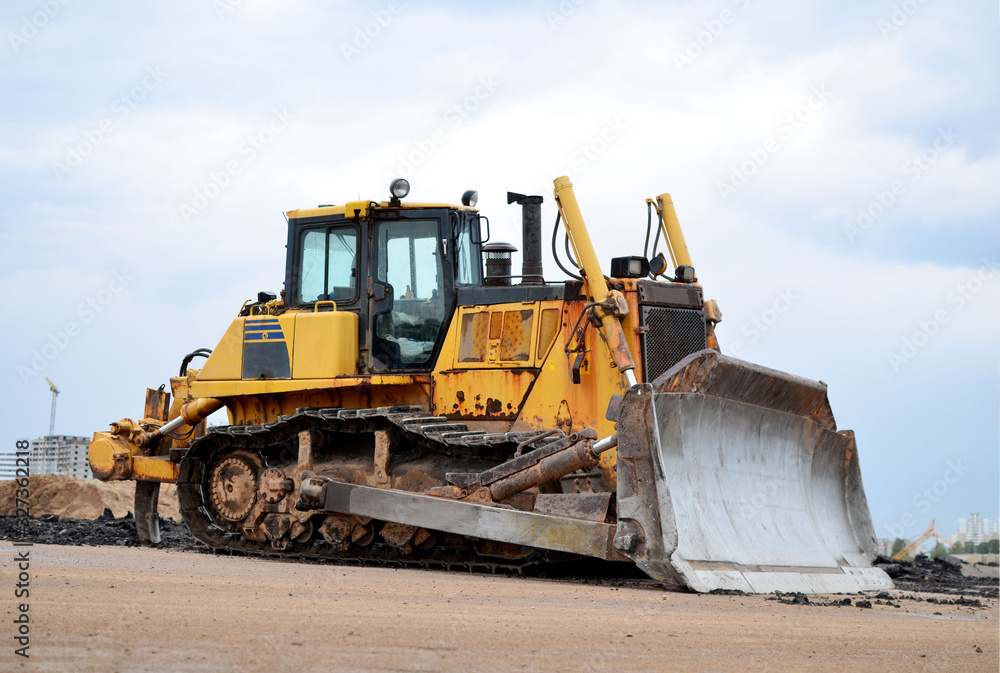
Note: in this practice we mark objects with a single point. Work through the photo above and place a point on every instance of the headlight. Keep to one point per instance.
(470, 198)
(629, 267)
(399, 188)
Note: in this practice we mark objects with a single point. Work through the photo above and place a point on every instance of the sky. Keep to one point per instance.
(834, 166)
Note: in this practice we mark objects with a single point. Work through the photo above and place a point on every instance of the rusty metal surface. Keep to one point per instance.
(711, 373)
(545, 471)
(482, 394)
(647, 532)
(587, 538)
(587, 506)
(157, 404)
(147, 516)
(531, 458)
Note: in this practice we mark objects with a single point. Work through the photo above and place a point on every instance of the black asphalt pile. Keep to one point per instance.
(105, 530)
(937, 576)
(802, 599)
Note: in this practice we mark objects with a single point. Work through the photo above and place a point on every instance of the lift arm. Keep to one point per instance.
(613, 302)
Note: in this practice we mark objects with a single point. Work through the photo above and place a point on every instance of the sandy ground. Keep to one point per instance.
(134, 609)
(82, 498)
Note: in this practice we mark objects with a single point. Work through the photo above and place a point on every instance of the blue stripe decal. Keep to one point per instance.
(262, 328)
(257, 321)
(264, 336)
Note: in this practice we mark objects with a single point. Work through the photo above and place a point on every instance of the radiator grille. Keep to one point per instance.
(671, 333)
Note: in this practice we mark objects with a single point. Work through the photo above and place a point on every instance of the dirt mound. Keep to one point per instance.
(937, 575)
(81, 498)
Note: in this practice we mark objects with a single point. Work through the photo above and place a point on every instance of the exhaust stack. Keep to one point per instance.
(531, 237)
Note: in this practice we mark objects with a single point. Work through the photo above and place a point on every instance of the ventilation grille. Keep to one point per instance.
(671, 334)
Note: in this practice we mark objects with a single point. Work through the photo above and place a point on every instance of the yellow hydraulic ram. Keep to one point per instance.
(119, 454)
(676, 245)
(613, 302)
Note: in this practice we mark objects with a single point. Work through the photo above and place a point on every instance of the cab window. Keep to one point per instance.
(468, 270)
(328, 266)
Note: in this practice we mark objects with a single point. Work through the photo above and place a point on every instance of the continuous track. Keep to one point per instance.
(276, 445)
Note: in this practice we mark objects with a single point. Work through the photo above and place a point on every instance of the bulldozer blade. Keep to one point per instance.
(732, 476)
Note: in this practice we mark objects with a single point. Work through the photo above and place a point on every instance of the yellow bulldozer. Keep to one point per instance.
(397, 404)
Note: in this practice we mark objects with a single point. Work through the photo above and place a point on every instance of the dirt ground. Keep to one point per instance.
(137, 609)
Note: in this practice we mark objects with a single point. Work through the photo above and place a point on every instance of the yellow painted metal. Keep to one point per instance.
(572, 218)
(328, 211)
(275, 386)
(114, 458)
(356, 209)
(155, 468)
(226, 361)
(614, 336)
(672, 232)
(365, 393)
(326, 345)
(314, 212)
(197, 410)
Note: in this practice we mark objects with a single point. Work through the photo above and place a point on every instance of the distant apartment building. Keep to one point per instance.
(976, 529)
(8, 466)
(62, 455)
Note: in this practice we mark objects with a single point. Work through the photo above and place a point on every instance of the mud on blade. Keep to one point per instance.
(734, 476)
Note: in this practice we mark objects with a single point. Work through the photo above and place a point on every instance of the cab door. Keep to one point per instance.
(412, 297)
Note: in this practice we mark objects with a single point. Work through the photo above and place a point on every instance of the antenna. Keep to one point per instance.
(52, 417)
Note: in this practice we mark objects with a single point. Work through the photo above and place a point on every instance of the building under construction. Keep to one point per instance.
(61, 454)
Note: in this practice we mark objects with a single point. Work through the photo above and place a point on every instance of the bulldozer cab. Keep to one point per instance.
(396, 268)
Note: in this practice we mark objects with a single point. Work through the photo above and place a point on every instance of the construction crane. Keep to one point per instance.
(928, 534)
(52, 416)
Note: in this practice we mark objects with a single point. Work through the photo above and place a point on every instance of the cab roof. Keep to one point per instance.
(321, 211)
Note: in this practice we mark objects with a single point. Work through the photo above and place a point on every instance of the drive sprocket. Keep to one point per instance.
(232, 486)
